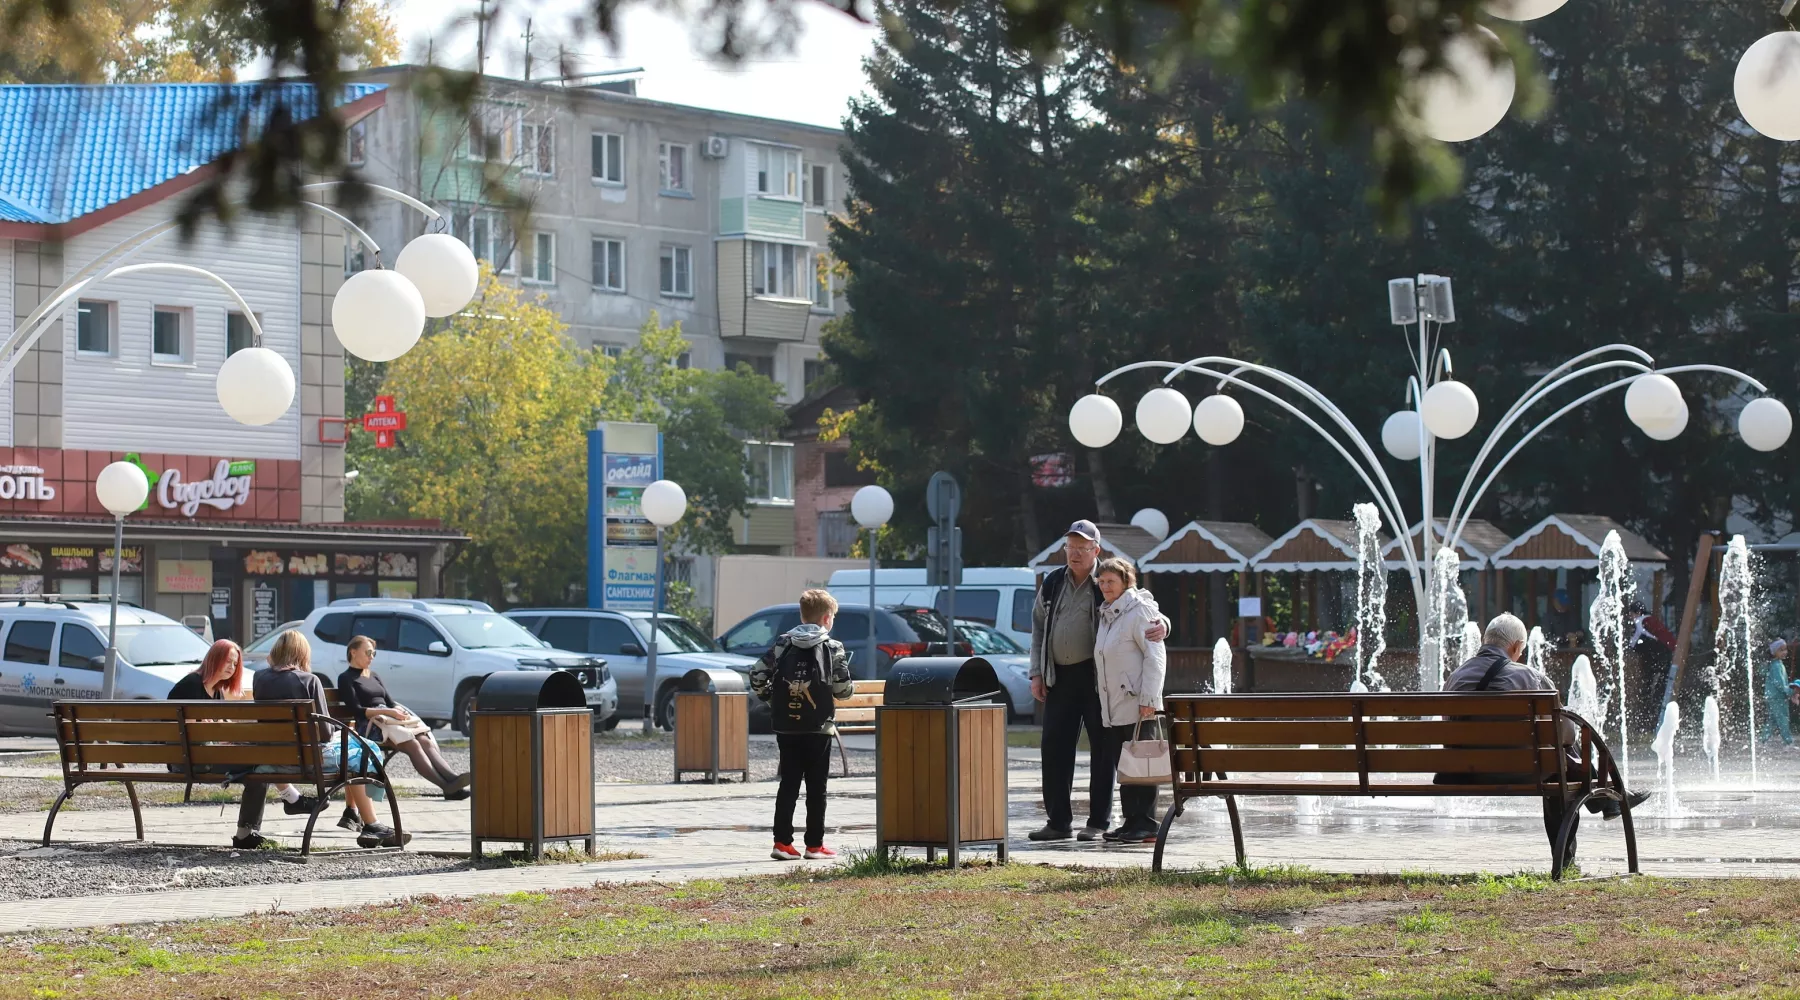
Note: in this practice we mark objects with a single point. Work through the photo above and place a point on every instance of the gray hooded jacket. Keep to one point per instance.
(833, 681)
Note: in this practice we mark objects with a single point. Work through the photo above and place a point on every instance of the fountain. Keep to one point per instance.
(1221, 664)
(1584, 697)
(1446, 613)
(1709, 734)
(1734, 645)
(1606, 619)
(1471, 642)
(1663, 746)
(1371, 599)
(1537, 650)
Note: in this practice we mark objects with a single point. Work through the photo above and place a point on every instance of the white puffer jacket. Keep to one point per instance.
(1129, 668)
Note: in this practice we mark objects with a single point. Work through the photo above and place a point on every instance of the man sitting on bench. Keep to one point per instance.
(1496, 667)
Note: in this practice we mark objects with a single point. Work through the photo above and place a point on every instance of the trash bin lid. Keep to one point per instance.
(941, 680)
(529, 690)
(714, 680)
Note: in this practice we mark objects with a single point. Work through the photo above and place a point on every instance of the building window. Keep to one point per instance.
(841, 471)
(760, 364)
(538, 146)
(356, 144)
(609, 265)
(612, 350)
(813, 369)
(818, 185)
(94, 327)
(489, 236)
(238, 333)
(821, 283)
(778, 172)
(774, 269)
(355, 259)
(673, 164)
(169, 336)
(771, 466)
(677, 271)
(609, 158)
(493, 134)
(543, 258)
(684, 360)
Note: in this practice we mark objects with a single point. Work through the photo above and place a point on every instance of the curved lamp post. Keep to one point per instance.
(871, 507)
(121, 488)
(663, 503)
(1441, 408)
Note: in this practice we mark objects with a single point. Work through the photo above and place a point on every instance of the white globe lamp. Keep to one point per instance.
(872, 506)
(1095, 420)
(121, 488)
(1653, 400)
(1163, 415)
(1218, 419)
(443, 269)
(378, 315)
(1154, 522)
(1765, 424)
(1523, 10)
(255, 386)
(663, 502)
(1667, 430)
(1468, 94)
(1450, 410)
(1400, 435)
(1767, 85)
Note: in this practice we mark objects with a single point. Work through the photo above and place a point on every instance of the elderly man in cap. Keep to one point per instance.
(1064, 623)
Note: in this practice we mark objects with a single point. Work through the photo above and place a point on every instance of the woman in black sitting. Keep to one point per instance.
(379, 717)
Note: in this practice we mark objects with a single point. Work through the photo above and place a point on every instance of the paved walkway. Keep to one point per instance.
(695, 831)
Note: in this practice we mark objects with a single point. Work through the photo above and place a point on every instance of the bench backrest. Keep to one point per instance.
(1353, 742)
(859, 708)
(122, 738)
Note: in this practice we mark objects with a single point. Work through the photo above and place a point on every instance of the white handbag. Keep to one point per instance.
(1145, 762)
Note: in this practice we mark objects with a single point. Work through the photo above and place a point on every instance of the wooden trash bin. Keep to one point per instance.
(712, 724)
(532, 757)
(940, 757)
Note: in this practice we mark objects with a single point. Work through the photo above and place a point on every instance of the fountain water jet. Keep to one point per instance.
(1445, 616)
(1607, 622)
(1221, 664)
(1536, 650)
(1371, 599)
(1471, 642)
(1734, 645)
(1584, 697)
(1709, 734)
(1664, 748)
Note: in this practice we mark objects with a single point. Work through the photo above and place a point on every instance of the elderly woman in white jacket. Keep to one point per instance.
(1129, 670)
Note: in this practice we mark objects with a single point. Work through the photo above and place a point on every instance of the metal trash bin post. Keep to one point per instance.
(940, 757)
(532, 757)
(712, 724)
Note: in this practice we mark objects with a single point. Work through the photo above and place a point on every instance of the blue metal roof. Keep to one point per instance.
(74, 149)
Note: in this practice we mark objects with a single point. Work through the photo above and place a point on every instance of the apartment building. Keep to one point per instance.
(128, 370)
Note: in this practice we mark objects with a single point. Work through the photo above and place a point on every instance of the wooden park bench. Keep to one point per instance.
(176, 742)
(1388, 744)
(856, 714)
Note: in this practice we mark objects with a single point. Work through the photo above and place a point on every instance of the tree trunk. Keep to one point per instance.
(1103, 501)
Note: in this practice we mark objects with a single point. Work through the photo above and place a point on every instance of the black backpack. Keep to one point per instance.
(801, 699)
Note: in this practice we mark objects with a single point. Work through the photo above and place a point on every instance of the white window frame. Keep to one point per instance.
(356, 257)
(229, 313)
(665, 155)
(356, 143)
(777, 172)
(674, 287)
(601, 173)
(790, 261)
(496, 231)
(773, 497)
(537, 148)
(606, 247)
(184, 335)
(820, 273)
(507, 135)
(541, 267)
(811, 197)
(112, 329)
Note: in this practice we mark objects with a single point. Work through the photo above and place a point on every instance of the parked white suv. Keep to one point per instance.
(54, 651)
(433, 654)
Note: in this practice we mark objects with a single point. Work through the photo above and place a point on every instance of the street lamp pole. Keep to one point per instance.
(663, 503)
(871, 507)
(121, 488)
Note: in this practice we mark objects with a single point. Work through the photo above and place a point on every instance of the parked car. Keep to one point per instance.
(434, 654)
(901, 630)
(623, 637)
(1010, 661)
(56, 651)
(256, 655)
(999, 596)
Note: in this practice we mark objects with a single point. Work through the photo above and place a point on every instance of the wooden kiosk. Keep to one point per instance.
(1196, 561)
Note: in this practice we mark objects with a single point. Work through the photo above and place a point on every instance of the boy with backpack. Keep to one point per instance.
(800, 676)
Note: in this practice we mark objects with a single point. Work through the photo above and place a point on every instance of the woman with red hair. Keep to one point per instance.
(220, 677)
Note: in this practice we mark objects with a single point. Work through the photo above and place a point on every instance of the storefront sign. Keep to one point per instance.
(181, 576)
(264, 616)
(308, 564)
(13, 586)
(18, 557)
(384, 421)
(72, 559)
(630, 577)
(229, 487)
(630, 470)
(624, 501)
(24, 482)
(131, 563)
(221, 602)
(262, 562)
(354, 564)
(399, 565)
(627, 532)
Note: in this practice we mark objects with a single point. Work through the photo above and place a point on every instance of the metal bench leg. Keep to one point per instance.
(1162, 835)
(1571, 815)
(137, 813)
(1237, 830)
(1631, 854)
(56, 807)
(843, 757)
(187, 793)
(322, 803)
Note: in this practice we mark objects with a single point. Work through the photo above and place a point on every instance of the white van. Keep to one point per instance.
(56, 651)
(1000, 596)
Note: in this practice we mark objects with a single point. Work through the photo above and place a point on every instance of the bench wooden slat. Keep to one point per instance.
(1258, 787)
(279, 756)
(1308, 706)
(1216, 732)
(122, 753)
(121, 732)
(1414, 760)
(1263, 759)
(245, 732)
(1512, 732)
(169, 711)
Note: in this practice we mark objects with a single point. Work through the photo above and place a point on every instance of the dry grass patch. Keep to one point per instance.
(1003, 932)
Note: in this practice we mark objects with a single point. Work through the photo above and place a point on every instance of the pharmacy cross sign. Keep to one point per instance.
(384, 421)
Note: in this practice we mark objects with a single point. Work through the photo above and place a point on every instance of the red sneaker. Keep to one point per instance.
(784, 852)
(820, 853)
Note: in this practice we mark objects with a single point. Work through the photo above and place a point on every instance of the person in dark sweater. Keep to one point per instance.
(378, 716)
(221, 678)
(289, 678)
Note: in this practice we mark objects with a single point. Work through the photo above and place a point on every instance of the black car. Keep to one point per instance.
(901, 630)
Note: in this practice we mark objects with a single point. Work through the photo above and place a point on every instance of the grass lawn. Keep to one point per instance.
(1002, 932)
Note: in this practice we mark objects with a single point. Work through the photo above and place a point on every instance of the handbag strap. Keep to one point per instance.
(1138, 728)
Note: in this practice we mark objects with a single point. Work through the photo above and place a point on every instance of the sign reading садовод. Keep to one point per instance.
(229, 487)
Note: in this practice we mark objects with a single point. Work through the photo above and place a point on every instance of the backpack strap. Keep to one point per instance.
(1492, 672)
